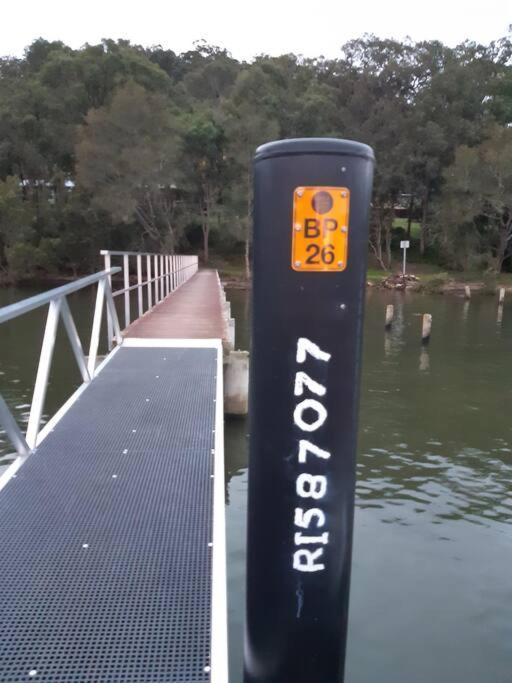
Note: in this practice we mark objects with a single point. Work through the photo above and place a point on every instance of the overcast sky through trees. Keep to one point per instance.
(251, 28)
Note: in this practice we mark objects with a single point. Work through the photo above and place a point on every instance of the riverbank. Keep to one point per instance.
(422, 278)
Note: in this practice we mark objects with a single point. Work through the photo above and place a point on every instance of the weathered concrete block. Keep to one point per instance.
(236, 382)
(231, 332)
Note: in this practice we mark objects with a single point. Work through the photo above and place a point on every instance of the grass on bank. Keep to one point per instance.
(402, 223)
(432, 277)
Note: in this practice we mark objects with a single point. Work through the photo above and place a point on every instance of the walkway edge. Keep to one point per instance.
(219, 626)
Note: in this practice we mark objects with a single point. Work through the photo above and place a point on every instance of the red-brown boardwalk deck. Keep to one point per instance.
(194, 311)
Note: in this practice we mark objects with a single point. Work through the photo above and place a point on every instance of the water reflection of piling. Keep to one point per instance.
(424, 360)
(499, 317)
(465, 310)
(393, 335)
(388, 347)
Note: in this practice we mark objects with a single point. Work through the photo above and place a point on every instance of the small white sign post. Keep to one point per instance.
(404, 244)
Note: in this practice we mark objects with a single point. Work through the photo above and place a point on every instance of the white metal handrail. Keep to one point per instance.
(164, 273)
(58, 308)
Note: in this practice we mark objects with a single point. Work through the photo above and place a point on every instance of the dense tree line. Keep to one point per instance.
(121, 146)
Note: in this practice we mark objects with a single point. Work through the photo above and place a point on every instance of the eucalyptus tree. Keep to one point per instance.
(477, 202)
(127, 162)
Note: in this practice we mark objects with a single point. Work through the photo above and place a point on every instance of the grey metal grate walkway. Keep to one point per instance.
(105, 559)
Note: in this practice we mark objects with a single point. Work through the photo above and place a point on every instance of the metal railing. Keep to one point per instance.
(157, 276)
(58, 308)
(164, 273)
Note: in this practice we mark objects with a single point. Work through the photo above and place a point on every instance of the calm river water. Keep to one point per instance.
(432, 571)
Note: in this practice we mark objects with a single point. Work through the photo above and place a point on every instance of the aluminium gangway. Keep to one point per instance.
(112, 539)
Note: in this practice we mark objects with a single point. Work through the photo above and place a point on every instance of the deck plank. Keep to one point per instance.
(194, 311)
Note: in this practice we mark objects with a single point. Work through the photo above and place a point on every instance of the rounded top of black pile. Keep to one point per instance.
(314, 146)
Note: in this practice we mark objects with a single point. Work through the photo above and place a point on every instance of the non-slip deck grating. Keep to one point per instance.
(105, 565)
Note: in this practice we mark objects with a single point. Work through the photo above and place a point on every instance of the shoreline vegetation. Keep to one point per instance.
(137, 148)
(425, 278)
(421, 279)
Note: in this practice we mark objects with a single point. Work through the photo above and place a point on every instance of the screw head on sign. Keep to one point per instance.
(343, 194)
(298, 263)
(344, 229)
(297, 226)
(340, 263)
(300, 192)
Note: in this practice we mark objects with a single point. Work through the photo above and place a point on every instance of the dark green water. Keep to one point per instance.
(432, 571)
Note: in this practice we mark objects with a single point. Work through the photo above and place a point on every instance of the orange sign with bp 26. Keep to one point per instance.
(320, 229)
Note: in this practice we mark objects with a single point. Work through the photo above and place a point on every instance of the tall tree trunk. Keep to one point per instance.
(409, 217)
(387, 238)
(423, 226)
(248, 228)
(206, 232)
(505, 235)
(376, 237)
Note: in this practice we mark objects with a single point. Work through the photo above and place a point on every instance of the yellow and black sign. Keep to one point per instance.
(320, 228)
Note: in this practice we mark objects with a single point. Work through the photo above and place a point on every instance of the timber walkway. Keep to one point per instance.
(112, 535)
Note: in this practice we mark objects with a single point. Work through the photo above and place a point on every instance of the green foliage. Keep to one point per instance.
(476, 213)
(435, 284)
(116, 145)
(126, 161)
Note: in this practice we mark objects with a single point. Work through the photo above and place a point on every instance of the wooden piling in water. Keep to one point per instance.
(426, 327)
(501, 296)
(467, 292)
(390, 313)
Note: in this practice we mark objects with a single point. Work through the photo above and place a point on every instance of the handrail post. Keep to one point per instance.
(126, 269)
(110, 330)
(74, 339)
(149, 285)
(43, 372)
(96, 327)
(168, 262)
(155, 264)
(164, 263)
(162, 278)
(139, 284)
(111, 307)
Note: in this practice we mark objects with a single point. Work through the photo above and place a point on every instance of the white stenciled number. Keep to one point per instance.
(306, 447)
(316, 407)
(304, 518)
(301, 539)
(306, 560)
(304, 380)
(311, 485)
(309, 415)
(305, 346)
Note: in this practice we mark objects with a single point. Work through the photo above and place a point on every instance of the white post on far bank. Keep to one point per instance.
(404, 244)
